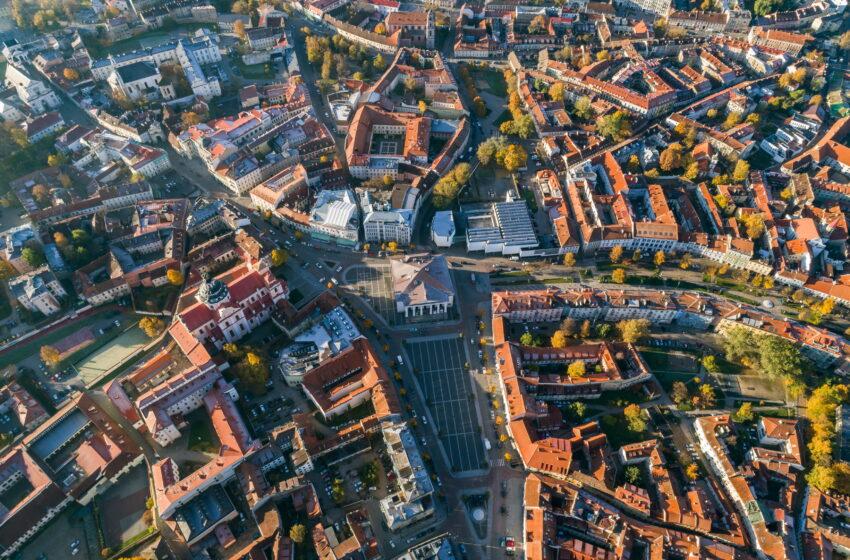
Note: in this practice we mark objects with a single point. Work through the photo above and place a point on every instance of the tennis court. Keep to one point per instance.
(112, 354)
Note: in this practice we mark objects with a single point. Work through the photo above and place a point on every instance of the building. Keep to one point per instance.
(139, 80)
(38, 291)
(13, 242)
(43, 125)
(413, 501)
(658, 8)
(38, 97)
(786, 41)
(335, 216)
(502, 227)
(415, 29)
(422, 287)
(443, 228)
(352, 377)
(190, 53)
(228, 306)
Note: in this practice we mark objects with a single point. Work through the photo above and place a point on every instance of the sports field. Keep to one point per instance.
(112, 354)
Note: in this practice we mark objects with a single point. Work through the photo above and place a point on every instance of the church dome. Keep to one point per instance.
(212, 291)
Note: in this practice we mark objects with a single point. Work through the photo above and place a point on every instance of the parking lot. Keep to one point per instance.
(373, 283)
(439, 368)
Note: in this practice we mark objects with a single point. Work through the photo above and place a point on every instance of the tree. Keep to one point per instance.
(556, 92)
(744, 413)
(64, 180)
(175, 277)
(635, 418)
(40, 193)
(33, 256)
(538, 25)
(632, 474)
(711, 114)
(741, 172)
(297, 533)
(779, 358)
(576, 369)
(239, 7)
(190, 118)
(152, 326)
(617, 126)
(618, 276)
(732, 119)
(559, 339)
(569, 259)
(488, 149)
(526, 339)
(252, 372)
(844, 40)
(603, 55)
(671, 158)
(50, 356)
(659, 258)
(709, 362)
(585, 329)
(7, 271)
(633, 330)
(448, 187)
(707, 396)
(279, 257)
(822, 477)
(568, 327)
(508, 457)
(583, 108)
(381, 28)
(679, 393)
(379, 63)
(392, 246)
(513, 158)
(692, 471)
(55, 159)
(71, 74)
(616, 254)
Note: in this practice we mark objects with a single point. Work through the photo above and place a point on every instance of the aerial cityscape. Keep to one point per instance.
(424, 279)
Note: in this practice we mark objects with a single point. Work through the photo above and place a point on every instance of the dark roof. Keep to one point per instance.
(43, 122)
(137, 71)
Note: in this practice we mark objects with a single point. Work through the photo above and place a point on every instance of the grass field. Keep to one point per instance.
(112, 354)
(201, 436)
(492, 79)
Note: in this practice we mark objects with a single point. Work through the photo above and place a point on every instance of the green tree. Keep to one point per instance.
(583, 108)
(33, 256)
(449, 186)
(633, 475)
(617, 126)
(526, 339)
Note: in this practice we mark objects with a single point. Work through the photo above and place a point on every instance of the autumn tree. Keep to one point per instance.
(569, 259)
(576, 369)
(174, 276)
(585, 329)
(744, 413)
(635, 418)
(741, 172)
(239, 30)
(278, 257)
(50, 356)
(671, 157)
(252, 371)
(692, 471)
(616, 254)
(71, 74)
(556, 91)
(152, 326)
(449, 186)
(732, 119)
(559, 339)
(7, 271)
(633, 330)
(679, 393)
(297, 533)
(618, 276)
(659, 258)
(190, 118)
(568, 327)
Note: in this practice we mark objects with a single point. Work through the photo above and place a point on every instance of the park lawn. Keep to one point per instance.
(617, 431)
(667, 378)
(201, 436)
(493, 79)
(255, 71)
